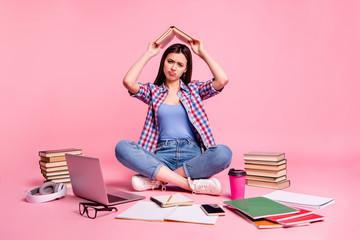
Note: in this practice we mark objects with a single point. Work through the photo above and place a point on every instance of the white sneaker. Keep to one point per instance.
(142, 183)
(210, 186)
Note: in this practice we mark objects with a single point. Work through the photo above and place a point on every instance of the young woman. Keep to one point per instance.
(176, 145)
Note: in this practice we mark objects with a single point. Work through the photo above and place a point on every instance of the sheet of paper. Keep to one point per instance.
(192, 214)
(148, 211)
(300, 199)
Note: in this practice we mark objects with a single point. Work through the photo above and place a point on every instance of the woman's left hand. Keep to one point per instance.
(220, 77)
(197, 46)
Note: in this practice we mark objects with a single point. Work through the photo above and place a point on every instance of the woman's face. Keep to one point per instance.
(174, 66)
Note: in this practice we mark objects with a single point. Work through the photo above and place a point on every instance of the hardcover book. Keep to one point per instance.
(301, 213)
(265, 173)
(59, 152)
(273, 185)
(266, 224)
(173, 31)
(269, 156)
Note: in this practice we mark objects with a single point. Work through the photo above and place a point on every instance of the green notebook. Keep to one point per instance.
(260, 207)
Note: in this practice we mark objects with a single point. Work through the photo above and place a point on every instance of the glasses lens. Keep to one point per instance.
(91, 212)
(81, 209)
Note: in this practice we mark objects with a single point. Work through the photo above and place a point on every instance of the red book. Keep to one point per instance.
(304, 219)
(301, 213)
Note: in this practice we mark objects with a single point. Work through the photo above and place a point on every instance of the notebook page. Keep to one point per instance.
(192, 214)
(148, 211)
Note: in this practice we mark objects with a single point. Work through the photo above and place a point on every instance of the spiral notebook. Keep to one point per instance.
(172, 200)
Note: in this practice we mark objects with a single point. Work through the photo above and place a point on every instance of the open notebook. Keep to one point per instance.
(150, 211)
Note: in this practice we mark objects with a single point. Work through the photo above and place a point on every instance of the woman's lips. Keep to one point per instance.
(172, 73)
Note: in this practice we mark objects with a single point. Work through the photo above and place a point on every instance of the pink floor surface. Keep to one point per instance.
(60, 219)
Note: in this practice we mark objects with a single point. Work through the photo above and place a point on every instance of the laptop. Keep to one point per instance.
(88, 182)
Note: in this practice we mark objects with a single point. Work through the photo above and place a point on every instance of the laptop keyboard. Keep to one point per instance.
(113, 198)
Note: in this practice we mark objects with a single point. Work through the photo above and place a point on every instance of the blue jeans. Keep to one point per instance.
(174, 154)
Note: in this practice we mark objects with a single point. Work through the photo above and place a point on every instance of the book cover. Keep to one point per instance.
(265, 173)
(302, 212)
(59, 152)
(56, 176)
(270, 156)
(55, 158)
(280, 162)
(173, 31)
(52, 164)
(61, 180)
(266, 179)
(261, 223)
(50, 174)
(266, 224)
(53, 169)
(273, 185)
(260, 207)
(265, 167)
(304, 219)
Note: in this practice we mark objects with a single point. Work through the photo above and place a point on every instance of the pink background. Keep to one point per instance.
(294, 87)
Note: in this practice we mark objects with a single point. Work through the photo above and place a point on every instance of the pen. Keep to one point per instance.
(169, 199)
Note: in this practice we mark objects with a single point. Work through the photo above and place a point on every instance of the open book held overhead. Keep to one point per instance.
(170, 34)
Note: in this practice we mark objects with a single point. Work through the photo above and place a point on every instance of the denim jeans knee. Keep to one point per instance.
(132, 156)
(214, 160)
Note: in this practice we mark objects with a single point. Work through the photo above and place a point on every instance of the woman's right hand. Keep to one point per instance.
(131, 77)
(153, 49)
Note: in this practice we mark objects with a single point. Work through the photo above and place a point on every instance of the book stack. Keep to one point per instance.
(265, 213)
(53, 165)
(266, 169)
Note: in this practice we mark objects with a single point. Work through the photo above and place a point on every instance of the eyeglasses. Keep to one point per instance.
(91, 209)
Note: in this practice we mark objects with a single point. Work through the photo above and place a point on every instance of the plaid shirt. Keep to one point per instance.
(191, 96)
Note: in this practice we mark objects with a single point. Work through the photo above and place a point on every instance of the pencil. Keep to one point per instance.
(169, 199)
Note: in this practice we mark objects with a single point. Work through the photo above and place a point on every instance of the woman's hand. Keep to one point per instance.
(131, 77)
(220, 77)
(197, 46)
(153, 49)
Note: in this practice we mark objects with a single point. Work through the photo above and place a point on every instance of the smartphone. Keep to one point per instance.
(212, 209)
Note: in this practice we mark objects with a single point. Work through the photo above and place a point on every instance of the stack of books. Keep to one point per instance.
(266, 169)
(265, 213)
(53, 165)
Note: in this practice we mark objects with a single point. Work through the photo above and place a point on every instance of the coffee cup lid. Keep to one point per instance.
(237, 172)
